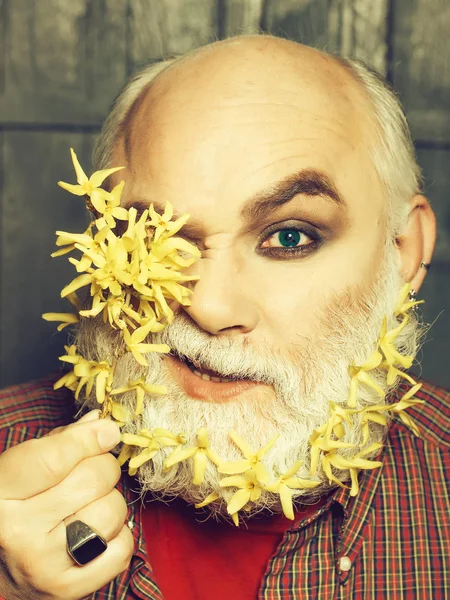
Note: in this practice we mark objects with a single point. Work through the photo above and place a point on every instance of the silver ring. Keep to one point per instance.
(84, 543)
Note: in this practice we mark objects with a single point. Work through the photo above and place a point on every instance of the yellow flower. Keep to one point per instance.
(320, 441)
(354, 471)
(86, 186)
(170, 248)
(393, 373)
(162, 223)
(403, 306)
(67, 240)
(250, 490)
(144, 439)
(353, 464)
(199, 453)
(89, 373)
(88, 244)
(408, 401)
(141, 388)
(151, 442)
(108, 205)
(167, 438)
(386, 344)
(338, 416)
(65, 319)
(135, 345)
(373, 414)
(359, 375)
(112, 268)
(284, 486)
(251, 461)
(69, 380)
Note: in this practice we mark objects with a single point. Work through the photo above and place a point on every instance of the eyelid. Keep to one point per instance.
(301, 226)
(290, 252)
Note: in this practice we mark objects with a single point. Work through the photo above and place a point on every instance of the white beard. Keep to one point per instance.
(315, 372)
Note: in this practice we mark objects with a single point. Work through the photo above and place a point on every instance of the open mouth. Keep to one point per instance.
(202, 372)
(204, 384)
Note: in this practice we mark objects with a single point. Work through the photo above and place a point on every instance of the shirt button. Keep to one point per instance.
(345, 564)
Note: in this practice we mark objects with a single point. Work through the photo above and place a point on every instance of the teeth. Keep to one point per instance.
(206, 377)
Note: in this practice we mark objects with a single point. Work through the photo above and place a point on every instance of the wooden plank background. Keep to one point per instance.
(63, 61)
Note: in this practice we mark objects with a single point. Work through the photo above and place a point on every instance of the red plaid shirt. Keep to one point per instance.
(392, 541)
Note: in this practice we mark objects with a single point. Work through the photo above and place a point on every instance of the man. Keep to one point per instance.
(298, 172)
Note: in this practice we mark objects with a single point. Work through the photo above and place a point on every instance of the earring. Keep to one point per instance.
(412, 295)
(425, 266)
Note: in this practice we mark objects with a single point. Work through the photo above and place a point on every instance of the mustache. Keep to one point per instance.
(228, 357)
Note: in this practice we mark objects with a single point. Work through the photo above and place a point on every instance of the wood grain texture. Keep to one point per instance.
(358, 29)
(351, 28)
(435, 165)
(421, 65)
(33, 208)
(70, 56)
(240, 17)
(436, 290)
(165, 29)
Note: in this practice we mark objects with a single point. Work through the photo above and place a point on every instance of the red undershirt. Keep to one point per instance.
(196, 560)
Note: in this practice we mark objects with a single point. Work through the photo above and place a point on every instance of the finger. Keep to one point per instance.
(92, 479)
(38, 465)
(106, 515)
(75, 582)
(83, 581)
(105, 567)
(93, 415)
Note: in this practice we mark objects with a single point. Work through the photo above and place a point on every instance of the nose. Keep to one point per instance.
(221, 302)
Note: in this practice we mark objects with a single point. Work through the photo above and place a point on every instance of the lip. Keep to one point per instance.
(209, 391)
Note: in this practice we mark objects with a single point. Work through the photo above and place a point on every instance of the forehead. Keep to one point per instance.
(215, 132)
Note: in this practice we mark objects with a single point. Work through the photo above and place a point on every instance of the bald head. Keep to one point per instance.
(259, 73)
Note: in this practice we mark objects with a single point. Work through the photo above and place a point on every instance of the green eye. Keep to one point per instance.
(289, 241)
(289, 238)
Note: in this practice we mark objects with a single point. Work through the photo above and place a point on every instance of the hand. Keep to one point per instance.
(71, 475)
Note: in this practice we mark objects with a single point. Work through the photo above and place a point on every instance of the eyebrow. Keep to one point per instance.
(310, 182)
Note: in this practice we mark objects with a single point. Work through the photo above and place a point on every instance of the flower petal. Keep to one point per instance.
(143, 457)
(286, 502)
(232, 468)
(210, 498)
(200, 461)
(76, 190)
(178, 455)
(99, 177)
(246, 450)
(237, 501)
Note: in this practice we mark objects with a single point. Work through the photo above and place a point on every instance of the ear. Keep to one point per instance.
(415, 243)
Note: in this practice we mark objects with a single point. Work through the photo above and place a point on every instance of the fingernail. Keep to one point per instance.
(90, 416)
(108, 435)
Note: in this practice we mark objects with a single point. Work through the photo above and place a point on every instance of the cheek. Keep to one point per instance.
(292, 295)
